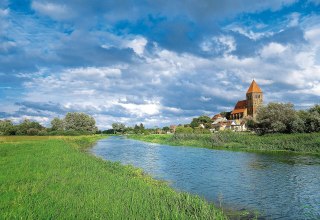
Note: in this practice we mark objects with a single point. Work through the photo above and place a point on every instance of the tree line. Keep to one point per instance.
(283, 118)
(74, 123)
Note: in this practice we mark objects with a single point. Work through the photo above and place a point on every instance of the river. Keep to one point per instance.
(278, 186)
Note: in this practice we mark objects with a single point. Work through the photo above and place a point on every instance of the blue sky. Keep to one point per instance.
(155, 62)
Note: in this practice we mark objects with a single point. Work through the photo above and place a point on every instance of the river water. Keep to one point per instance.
(278, 186)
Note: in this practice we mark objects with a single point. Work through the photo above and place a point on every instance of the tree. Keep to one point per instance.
(277, 117)
(166, 129)
(57, 124)
(28, 127)
(7, 128)
(136, 129)
(315, 109)
(81, 122)
(118, 127)
(205, 120)
(311, 119)
(142, 127)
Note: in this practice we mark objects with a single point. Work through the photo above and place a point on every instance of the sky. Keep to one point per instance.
(154, 62)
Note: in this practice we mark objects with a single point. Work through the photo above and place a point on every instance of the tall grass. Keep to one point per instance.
(53, 178)
(303, 143)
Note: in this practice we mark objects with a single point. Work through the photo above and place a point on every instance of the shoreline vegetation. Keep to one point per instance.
(55, 177)
(306, 143)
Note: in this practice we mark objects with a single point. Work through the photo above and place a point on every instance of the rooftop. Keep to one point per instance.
(254, 88)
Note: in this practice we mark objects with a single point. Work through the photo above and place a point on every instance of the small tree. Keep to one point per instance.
(26, 125)
(205, 120)
(166, 129)
(118, 127)
(7, 128)
(57, 124)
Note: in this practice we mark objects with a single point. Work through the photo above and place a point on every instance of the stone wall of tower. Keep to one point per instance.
(254, 100)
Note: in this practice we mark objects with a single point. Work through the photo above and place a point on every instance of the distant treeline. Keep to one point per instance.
(72, 124)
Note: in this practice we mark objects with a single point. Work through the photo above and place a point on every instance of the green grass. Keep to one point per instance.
(301, 143)
(55, 178)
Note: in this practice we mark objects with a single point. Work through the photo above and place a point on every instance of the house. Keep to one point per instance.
(173, 128)
(238, 125)
(219, 123)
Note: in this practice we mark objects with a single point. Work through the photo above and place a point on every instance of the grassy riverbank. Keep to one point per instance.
(55, 178)
(302, 143)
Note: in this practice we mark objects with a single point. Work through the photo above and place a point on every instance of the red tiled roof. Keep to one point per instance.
(254, 88)
(241, 104)
(216, 116)
(239, 110)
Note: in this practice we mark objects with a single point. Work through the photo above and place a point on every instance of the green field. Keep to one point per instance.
(300, 143)
(56, 178)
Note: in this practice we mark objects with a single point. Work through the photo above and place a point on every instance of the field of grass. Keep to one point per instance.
(55, 178)
(302, 143)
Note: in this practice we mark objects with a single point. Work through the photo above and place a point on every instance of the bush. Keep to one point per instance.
(184, 130)
(202, 131)
(32, 131)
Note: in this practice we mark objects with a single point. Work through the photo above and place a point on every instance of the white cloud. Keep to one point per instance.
(92, 72)
(141, 91)
(137, 44)
(55, 11)
(313, 35)
(272, 50)
(249, 33)
(224, 43)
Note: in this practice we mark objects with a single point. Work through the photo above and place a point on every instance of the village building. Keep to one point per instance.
(173, 128)
(249, 106)
(242, 109)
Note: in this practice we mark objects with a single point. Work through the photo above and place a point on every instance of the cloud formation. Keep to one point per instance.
(156, 62)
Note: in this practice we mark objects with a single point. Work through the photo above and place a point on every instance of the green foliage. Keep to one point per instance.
(118, 127)
(200, 120)
(57, 124)
(139, 129)
(315, 109)
(109, 131)
(53, 178)
(225, 114)
(201, 131)
(75, 121)
(184, 130)
(304, 143)
(277, 118)
(7, 128)
(28, 127)
(166, 129)
(282, 118)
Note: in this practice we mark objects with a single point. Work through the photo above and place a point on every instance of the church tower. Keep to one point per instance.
(254, 99)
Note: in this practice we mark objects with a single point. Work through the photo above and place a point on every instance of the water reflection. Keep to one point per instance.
(277, 185)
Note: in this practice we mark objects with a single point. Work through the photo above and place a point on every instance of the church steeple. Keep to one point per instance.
(254, 87)
(254, 99)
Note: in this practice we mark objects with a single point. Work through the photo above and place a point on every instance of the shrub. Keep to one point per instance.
(32, 131)
(184, 130)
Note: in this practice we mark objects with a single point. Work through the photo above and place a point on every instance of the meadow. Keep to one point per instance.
(57, 178)
(300, 143)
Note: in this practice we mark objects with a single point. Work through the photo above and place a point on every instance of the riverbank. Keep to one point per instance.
(299, 143)
(55, 178)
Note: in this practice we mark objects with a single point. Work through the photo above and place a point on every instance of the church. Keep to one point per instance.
(249, 106)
